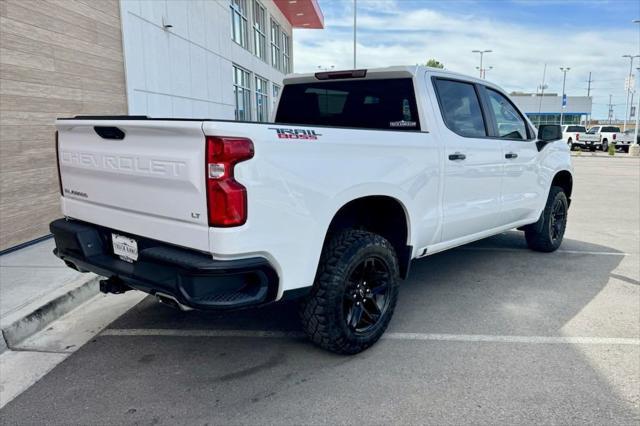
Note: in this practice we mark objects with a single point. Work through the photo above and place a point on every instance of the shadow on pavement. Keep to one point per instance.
(470, 290)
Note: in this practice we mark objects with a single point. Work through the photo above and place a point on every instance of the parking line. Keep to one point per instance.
(594, 253)
(563, 340)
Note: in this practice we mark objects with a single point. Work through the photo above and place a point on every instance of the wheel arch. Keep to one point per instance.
(564, 179)
(381, 214)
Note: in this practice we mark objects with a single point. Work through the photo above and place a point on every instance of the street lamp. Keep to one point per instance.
(483, 71)
(481, 52)
(626, 105)
(355, 11)
(564, 99)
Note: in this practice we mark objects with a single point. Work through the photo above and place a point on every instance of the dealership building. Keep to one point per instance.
(546, 109)
(162, 58)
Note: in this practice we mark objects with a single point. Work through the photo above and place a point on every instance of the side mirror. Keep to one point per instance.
(548, 133)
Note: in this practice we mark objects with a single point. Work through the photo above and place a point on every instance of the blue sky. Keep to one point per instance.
(523, 34)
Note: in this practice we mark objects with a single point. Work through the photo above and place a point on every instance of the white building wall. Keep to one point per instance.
(187, 70)
(553, 104)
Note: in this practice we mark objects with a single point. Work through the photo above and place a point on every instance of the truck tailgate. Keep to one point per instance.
(145, 176)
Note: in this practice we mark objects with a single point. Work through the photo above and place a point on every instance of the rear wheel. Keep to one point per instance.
(605, 145)
(570, 143)
(546, 235)
(354, 294)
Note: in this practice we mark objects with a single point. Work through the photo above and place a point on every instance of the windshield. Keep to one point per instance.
(593, 130)
(576, 129)
(370, 104)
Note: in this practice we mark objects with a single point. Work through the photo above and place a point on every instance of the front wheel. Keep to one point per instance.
(546, 235)
(354, 294)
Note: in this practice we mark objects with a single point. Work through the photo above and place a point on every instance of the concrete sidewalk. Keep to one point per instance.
(36, 288)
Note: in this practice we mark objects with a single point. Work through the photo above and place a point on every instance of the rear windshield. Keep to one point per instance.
(370, 104)
(608, 129)
(576, 129)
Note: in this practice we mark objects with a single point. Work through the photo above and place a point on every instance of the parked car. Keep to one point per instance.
(606, 134)
(361, 172)
(577, 137)
(627, 139)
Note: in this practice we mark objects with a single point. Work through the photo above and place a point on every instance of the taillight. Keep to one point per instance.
(226, 198)
(577, 136)
(614, 136)
(58, 165)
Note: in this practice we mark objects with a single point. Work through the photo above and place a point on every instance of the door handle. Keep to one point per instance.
(457, 156)
(510, 155)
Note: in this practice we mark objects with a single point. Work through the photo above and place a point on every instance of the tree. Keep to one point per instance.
(434, 63)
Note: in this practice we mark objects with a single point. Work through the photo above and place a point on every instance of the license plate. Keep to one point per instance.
(124, 247)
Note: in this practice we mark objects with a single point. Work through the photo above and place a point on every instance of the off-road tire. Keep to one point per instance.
(540, 236)
(322, 311)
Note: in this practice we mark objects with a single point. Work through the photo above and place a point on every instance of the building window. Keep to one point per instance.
(275, 94)
(286, 53)
(262, 106)
(242, 92)
(239, 22)
(259, 30)
(276, 58)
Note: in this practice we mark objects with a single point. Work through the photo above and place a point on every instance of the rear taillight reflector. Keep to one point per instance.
(577, 136)
(226, 197)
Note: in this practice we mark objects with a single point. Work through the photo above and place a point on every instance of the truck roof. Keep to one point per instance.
(398, 71)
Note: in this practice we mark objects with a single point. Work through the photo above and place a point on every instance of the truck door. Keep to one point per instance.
(521, 190)
(473, 162)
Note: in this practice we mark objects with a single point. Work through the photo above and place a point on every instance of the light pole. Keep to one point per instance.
(564, 80)
(481, 52)
(542, 87)
(634, 150)
(355, 10)
(630, 77)
(483, 71)
(635, 133)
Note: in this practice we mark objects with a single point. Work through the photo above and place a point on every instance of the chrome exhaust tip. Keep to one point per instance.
(169, 300)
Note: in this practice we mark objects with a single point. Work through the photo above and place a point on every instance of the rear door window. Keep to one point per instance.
(387, 104)
(461, 108)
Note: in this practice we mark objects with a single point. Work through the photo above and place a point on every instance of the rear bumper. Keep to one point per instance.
(192, 278)
(586, 144)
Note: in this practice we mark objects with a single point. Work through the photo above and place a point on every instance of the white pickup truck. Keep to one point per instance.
(607, 135)
(577, 136)
(361, 172)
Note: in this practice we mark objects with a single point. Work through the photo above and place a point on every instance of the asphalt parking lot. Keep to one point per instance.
(490, 333)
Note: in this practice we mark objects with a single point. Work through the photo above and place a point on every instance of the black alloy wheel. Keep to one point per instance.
(366, 297)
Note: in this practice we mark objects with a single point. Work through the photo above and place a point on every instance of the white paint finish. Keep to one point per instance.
(120, 177)
(296, 187)
(173, 72)
(521, 190)
(480, 338)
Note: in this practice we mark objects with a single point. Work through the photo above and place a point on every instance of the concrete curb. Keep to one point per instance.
(39, 313)
(605, 156)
